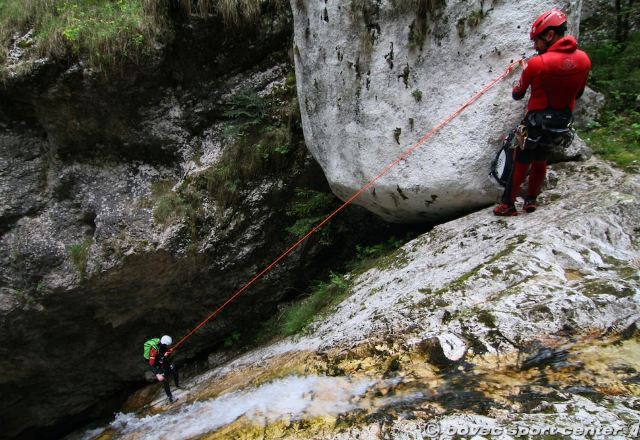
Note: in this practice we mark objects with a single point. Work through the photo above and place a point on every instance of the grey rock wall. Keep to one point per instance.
(87, 272)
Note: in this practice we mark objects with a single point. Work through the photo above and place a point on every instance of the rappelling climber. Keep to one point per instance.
(557, 76)
(156, 352)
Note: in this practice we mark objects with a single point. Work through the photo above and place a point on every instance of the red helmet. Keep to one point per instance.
(552, 18)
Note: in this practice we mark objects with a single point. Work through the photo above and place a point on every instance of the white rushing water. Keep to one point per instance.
(291, 398)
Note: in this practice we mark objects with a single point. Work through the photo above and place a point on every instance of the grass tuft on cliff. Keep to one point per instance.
(105, 33)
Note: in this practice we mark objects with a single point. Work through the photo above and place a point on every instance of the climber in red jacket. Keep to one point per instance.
(557, 77)
(157, 353)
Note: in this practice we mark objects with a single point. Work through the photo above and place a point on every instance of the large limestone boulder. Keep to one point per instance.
(375, 76)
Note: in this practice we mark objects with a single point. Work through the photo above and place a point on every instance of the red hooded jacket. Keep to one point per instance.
(557, 77)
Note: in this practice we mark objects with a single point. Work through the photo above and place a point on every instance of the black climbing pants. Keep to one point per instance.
(167, 369)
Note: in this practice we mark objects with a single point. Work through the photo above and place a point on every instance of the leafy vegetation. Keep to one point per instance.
(107, 33)
(78, 253)
(309, 207)
(259, 137)
(421, 6)
(169, 205)
(616, 137)
(260, 141)
(613, 22)
(471, 21)
(181, 204)
(25, 299)
(295, 317)
(418, 30)
(426, 11)
(616, 72)
(324, 294)
(614, 49)
(369, 256)
(327, 294)
(235, 12)
(232, 340)
(103, 32)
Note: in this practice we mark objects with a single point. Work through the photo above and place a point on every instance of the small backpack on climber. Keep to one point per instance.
(155, 344)
(151, 343)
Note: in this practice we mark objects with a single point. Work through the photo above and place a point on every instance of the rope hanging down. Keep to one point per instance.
(357, 194)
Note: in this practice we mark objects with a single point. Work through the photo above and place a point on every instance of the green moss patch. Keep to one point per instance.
(598, 287)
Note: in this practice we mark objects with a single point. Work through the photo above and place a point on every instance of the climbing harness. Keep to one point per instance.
(548, 128)
(350, 200)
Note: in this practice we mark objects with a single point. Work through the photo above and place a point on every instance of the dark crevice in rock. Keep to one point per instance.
(89, 220)
(7, 222)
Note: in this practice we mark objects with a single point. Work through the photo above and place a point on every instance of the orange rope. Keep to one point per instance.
(357, 194)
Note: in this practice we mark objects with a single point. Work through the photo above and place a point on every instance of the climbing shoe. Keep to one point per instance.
(172, 399)
(504, 210)
(530, 205)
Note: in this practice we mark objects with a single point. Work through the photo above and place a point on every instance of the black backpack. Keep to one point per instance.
(502, 163)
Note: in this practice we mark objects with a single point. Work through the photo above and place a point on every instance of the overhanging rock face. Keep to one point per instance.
(375, 76)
